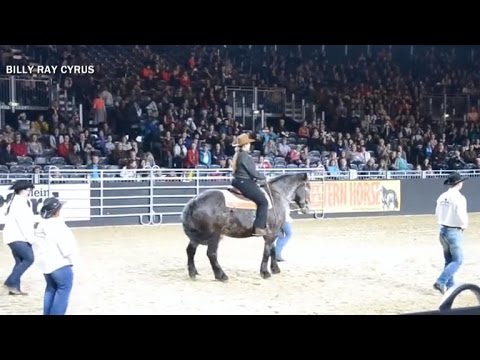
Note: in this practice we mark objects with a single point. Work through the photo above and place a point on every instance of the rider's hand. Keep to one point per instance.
(261, 182)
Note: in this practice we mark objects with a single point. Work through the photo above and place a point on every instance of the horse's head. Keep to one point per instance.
(302, 195)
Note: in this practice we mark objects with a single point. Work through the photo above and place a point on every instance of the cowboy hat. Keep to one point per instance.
(50, 207)
(21, 185)
(454, 179)
(242, 140)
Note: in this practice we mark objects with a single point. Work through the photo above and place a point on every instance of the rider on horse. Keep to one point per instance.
(245, 179)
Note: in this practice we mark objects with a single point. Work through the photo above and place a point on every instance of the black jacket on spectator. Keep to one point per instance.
(6, 157)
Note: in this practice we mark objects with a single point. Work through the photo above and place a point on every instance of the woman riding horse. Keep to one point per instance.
(245, 179)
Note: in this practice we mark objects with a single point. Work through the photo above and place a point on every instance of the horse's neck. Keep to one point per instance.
(286, 192)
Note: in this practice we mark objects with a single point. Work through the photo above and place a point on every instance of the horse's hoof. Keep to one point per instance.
(193, 274)
(275, 270)
(222, 277)
(265, 274)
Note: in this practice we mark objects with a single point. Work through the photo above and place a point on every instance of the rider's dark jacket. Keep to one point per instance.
(246, 168)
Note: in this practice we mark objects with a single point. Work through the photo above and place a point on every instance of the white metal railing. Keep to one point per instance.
(154, 194)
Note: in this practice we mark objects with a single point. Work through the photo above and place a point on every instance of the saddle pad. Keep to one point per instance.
(236, 201)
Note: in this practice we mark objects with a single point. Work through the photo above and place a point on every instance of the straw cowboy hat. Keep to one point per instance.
(454, 179)
(242, 140)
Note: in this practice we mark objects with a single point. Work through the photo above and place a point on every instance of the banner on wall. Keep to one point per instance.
(77, 197)
(356, 196)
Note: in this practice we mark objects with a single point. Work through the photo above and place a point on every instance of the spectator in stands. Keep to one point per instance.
(19, 148)
(109, 145)
(456, 162)
(23, 123)
(54, 139)
(400, 163)
(304, 130)
(34, 147)
(129, 170)
(74, 156)
(125, 144)
(294, 156)
(439, 157)
(264, 163)
(6, 156)
(205, 156)
(218, 154)
(149, 159)
(99, 110)
(117, 154)
(283, 148)
(191, 160)
(342, 165)
(370, 165)
(94, 166)
(63, 149)
(179, 154)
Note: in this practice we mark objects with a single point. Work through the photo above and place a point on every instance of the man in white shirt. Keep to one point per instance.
(55, 249)
(18, 234)
(451, 212)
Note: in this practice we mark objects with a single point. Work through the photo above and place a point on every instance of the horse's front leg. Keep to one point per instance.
(267, 251)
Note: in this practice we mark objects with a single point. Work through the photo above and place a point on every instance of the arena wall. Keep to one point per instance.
(156, 201)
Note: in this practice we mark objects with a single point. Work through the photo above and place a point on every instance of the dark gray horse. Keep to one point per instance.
(206, 218)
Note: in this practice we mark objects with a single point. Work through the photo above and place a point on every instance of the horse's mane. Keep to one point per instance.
(284, 176)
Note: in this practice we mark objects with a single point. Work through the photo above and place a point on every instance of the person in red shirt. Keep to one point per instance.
(147, 71)
(185, 80)
(166, 74)
(304, 131)
(19, 148)
(64, 148)
(294, 156)
(191, 160)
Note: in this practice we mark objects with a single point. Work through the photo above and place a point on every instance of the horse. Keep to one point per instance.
(389, 198)
(208, 216)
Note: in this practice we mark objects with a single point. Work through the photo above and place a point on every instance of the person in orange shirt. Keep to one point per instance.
(99, 111)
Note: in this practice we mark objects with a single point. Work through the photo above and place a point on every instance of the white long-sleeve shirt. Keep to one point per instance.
(451, 209)
(19, 222)
(55, 245)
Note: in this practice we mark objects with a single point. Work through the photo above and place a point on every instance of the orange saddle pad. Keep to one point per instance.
(237, 201)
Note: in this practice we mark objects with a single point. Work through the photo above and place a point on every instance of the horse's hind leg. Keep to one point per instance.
(191, 250)
(212, 256)
(267, 250)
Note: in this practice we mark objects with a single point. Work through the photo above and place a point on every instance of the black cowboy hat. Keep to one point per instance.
(454, 179)
(50, 207)
(22, 185)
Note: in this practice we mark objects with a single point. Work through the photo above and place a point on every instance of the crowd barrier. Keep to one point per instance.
(157, 196)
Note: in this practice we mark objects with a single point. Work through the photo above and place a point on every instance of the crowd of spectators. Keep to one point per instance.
(166, 106)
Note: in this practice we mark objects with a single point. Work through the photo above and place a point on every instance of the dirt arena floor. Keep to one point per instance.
(334, 266)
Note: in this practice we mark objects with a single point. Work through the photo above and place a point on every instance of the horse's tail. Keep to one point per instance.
(188, 211)
(187, 220)
(395, 200)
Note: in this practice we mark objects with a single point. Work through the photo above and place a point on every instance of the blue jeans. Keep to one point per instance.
(283, 239)
(452, 243)
(23, 254)
(57, 292)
